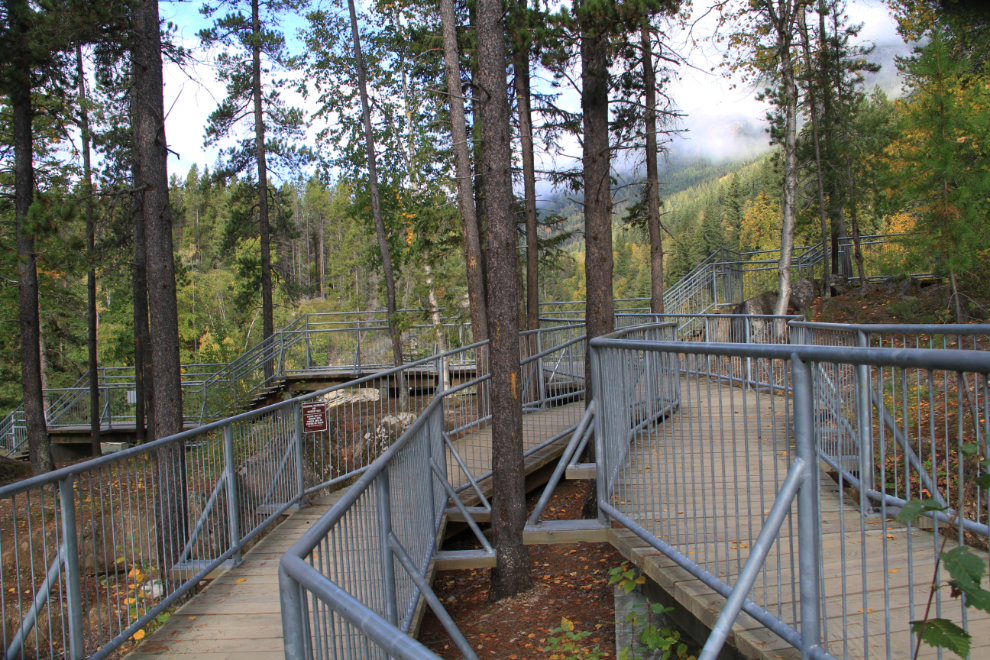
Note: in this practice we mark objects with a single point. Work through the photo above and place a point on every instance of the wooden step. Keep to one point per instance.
(479, 514)
(453, 560)
(565, 531)
(581, 471)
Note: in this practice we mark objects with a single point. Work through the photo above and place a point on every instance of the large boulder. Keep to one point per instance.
(761, 304)
(803, 293)
(349, 396)
(839, 284)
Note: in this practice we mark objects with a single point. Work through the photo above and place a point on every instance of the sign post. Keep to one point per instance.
(314, 417)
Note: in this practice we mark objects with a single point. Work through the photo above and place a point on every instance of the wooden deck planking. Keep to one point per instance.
(687, 473)
(238, 616)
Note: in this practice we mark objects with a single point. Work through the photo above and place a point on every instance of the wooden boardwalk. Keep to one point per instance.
(703, 482)
(237, 617)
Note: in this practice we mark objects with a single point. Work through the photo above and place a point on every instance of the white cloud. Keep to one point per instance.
(722, 119)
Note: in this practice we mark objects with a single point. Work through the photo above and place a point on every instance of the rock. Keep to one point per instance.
(803, 293)
(39, 553)
(761, 304)
(839, 284)
(42, 635)
(356, 395)
(387, 431)
(153, 588)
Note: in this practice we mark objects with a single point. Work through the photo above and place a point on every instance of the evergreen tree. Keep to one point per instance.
(940, 157)
(275, 127)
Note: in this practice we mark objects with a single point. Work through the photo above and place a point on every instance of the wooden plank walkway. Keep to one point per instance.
(703, 482)
(237, 617)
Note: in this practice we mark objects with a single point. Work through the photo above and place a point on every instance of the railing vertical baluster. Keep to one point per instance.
(298, 440)
(233, 519)
(73, 586)
(384, 512)
(804, 440)
(864, 423)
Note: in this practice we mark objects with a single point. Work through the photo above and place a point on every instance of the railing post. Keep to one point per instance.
(233, 517)
(73, 587)
(357, 350)
(804, 440)
(107, 408)
(292, 601)
(297, 438)
(281, 352)
(308, 358)
(864, 423)
(539, 371)
(596, 390)
(749, 361)
(384, 507)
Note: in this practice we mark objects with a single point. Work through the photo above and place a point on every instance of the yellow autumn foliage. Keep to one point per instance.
(760, 228)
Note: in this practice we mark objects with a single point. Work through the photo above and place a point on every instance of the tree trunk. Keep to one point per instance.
(819, 174)
(437, 327)
(520, 60)
(19, 96)
(149, 133)
(790, 171)
(511, 573)
(267, 311)
(599, 308)
(652, 175)
(477, 98)
(142, 339)
(323, 268)
(94, 376)
(376, 207)
(854, 217)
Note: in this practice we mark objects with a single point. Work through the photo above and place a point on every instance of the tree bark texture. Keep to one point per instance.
(599, 307)
(652, 175)
(144, 425)
(94, 375)
(815, 120)
(152, 150)
(376, 207)
(462, 170)
(267, 309)
(520, 61)
(790, 159)
(153, 156)
(19, 96)
(511, 573)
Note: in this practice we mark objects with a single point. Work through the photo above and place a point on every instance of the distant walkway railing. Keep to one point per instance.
(356, 342)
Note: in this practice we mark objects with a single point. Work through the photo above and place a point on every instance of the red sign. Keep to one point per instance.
(314, 417)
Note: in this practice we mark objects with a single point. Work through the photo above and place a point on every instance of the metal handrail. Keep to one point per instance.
(801, 482)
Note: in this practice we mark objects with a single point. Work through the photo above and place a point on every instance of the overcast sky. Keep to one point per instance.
(721, 121)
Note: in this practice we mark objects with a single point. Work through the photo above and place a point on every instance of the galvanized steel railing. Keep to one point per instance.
(69, 406)
(729, 485)
(350, 586)
(98, 551)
